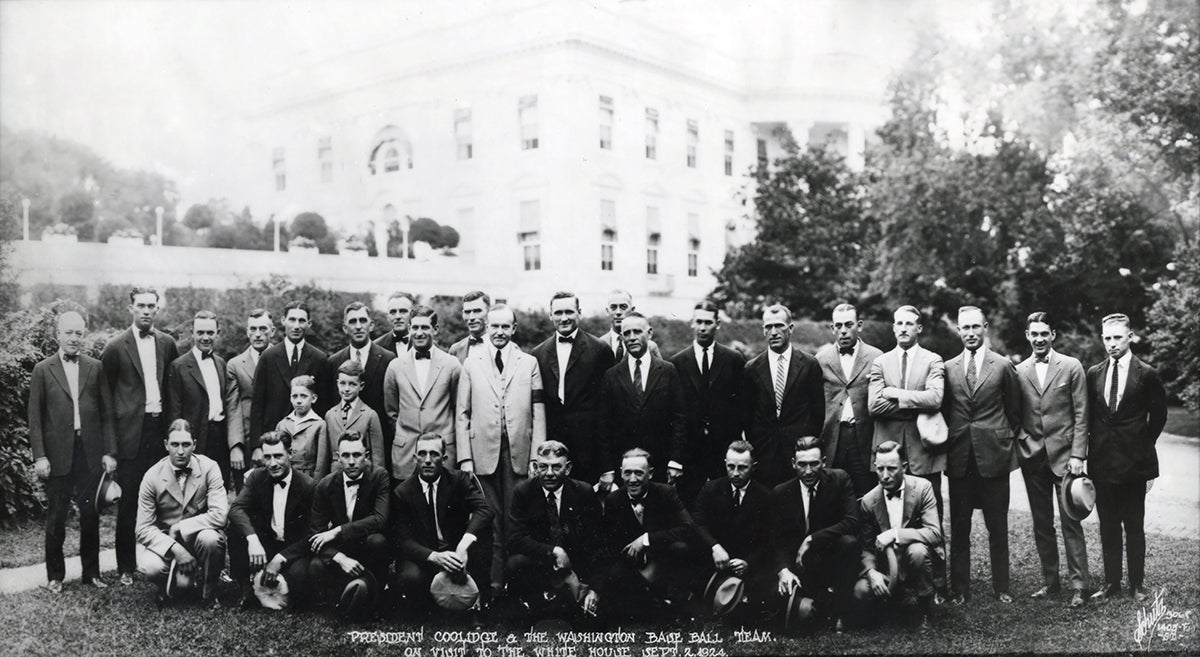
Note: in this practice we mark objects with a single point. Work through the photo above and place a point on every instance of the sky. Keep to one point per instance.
(148, 84)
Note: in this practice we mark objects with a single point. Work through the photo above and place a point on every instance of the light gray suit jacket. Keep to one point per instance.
(486, 397)
(1054, 418)
(837, 388)
(415, 409)
(922, 392)
(239, 392)
(162, 504)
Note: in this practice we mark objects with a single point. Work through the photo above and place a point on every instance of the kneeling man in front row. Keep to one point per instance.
(897, 516)
(443, 524)
(269, 523)
(554, 528)
(181, 516)
(349, 518)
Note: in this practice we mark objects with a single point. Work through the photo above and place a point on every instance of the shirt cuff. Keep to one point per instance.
(675, 464)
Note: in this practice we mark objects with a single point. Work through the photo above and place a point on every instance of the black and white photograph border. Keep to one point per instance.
(1010, 156)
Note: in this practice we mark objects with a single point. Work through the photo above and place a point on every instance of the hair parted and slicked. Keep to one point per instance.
(402, 295)
(804, 443)
(1040, 317)
(912, 310)
(889, 446)
(1116, 318)
(741, 447)
(475, 295)
(144, 289)
(277, 438)
(426, 311)
(296, 305)
(352, 368)
(355, 306)
(778, 308)
(563, 294)
(306, 381)
(553, 448)
(255, 313)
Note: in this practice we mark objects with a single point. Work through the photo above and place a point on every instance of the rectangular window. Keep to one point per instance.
(529, 235)
(325, 157)
(606, 122)
(693, 244)
(762, 151)
(729, 152)
(693, 141)
(462, 133)
(651, 134)
(653, 239)
(527, 115)
(608, 233)
(279, 167)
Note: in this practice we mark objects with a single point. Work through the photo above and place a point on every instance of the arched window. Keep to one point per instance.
(391, 160)
(391, 150)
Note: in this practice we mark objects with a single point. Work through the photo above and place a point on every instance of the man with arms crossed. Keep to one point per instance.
(846, 370)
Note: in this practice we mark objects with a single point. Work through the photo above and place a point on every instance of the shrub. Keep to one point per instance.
(1175, 339)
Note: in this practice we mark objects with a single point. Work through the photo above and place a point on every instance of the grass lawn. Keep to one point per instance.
(124, 621)
(26, 544)
(1182, 422)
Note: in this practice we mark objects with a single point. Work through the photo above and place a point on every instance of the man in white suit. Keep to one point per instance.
(239, 390)
(419, 393)
(501, 422)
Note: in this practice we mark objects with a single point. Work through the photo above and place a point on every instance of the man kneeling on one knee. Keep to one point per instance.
(181, 514)
(898, 515)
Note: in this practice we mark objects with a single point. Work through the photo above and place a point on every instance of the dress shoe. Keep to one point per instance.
(54, 586)
(126, 579)
(1106, 593)
(95, 582)
(1076, 599)
(938, 599)
(1044, 592)
(1004, 597)
(958, 600)
(926, 623)
(839, 627)
(1138, 593)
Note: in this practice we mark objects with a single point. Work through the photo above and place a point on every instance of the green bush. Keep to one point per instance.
(1175, 339)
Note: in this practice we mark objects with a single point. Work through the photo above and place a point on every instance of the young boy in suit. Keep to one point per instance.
(349, 414)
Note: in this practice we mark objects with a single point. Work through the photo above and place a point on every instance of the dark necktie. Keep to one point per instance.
(1112, 388)
(499, 362)
(555, 519)
(430, 510)
(903, 370)
(971, 373)
(620, 350)
(737, 498)
(67, 358)
(639, 509)
(637, 378)
(295, 357)
(704, 363)
(421, 355)
(346, 412)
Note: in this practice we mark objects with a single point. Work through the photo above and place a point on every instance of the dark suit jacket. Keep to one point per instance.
(745, 532)
(388, 341)
(918, 521)
(984, 420)
(665, 519)
(371, 510)
(802, 412)
(378, 359)
(572, 421)
(714, 413)
(123, 369)
(273, 387)
(838, 388)
(52, 415)
(834, 513)
(656, 421)
(461, 509)
(1122, 443)
(187, 398)
(250, 513)
(579, 521)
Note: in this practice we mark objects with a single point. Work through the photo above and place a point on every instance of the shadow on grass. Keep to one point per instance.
(124, 621)
(25, 544)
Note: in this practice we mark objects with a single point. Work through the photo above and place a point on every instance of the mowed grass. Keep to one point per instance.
(125, 621)
(1182, 422)
(25, 544)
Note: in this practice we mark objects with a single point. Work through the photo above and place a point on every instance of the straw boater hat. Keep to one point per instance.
(271, 597)
(724, 592)
(454, 593)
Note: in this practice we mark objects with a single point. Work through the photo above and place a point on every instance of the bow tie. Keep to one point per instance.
(567, 340)
(846, 351)
(145, 334)
(281, 482)
(185, 471)
(353, 482)
(205, 355)
(401, 337)
(67, 358)
(634, 501)
(1042, 359)
(472, 339)
(421, 355)
(892, 494)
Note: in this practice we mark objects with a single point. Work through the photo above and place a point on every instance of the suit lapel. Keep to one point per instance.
(60, 374)
(834, 365)
(436, 361)
(372, 358)
(691, 372)
(355, 412)
(860, 363)
(510, 369)
(719, 362)
(282, 363)
(1052, 371)
(879, 508)
(793, 372)
(193, 367)
(160, 352)
(131, 347)
(910, 503)
(653, 372)
(985, 371)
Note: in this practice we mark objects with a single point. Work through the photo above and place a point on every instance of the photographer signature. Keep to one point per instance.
(1157, 621)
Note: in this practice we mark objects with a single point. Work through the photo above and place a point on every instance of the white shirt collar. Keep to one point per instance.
(307, 417)
(287, 344)
(287, 479)
(346, 478)
(910, 350)
(196, 353)
(787, 354)
(644, 360)
(1123, 361)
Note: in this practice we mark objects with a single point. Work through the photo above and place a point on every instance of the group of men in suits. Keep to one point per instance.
(779, 470)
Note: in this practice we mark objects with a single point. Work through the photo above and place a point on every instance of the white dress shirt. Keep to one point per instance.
(72, 370)
(739, 494)
(360, 354)
(806, 494)
(351, 493)
(212, 386)
(279, 504)
(895, 508)
(1042, 368)
(1122, 376)
(557, 498)
(297, 348)
(505, 356)
(905, 373)
(148, 354)
(847, 361)
(437, 523)
(698, 351)
(421, 367)
(563, 351)
(645, 366)
(978, 360)
(254, 354)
